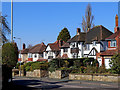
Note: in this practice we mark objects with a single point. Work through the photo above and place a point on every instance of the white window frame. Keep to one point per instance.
(113, 43)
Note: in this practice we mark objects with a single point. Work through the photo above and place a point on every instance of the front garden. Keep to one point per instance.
(79, 69)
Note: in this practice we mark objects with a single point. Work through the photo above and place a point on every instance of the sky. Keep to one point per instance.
(36, 22)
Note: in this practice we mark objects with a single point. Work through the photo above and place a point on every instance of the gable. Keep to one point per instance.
(48, 48)
(93, 52)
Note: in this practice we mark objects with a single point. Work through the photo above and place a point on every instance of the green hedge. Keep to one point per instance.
(74, 64)
(30, 66)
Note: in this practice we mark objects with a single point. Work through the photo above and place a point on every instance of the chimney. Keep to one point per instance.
(78, 31)
(60, 43)
(42, 43)
(116, 24)
(23, 45)
(116, 20)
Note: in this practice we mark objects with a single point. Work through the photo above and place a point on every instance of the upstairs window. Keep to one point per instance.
(35, 56)
(87, 47)
(94, 43)
(65, 50)
(113, 43)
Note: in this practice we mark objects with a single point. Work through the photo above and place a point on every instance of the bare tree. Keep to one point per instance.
(5, 28)
(87, 21)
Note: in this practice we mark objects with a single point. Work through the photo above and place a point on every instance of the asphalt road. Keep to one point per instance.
(24, 83)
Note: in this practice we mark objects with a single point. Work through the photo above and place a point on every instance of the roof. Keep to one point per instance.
(109, 53)
(97, 33)
(113, 36)
(39, 48)
(54, 46)
(77, 38)
(25, 51)
(66, 45)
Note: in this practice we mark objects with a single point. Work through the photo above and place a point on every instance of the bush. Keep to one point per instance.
(9, 54)
(115, 64)
(30, 66)
(101, 69)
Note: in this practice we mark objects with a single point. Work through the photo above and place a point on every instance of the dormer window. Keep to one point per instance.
(113, 43)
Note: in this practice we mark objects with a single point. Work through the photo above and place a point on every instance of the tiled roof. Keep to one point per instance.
(67, 45)
(54, 46)
(113, 36)
(77, 38)
(97, 33)
(109, 52)
(39, 48)
(25, 51)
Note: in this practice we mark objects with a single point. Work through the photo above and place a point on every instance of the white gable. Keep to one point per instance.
(48, 48)
(93, 52)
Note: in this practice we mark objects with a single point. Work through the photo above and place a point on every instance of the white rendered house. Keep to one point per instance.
(87, 44)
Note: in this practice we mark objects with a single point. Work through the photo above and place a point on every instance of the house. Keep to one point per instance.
(95, 41)
(65, 51)
(87, 44)
(53, 50)
(36, 53)
(23, 57)
(76, 44)
(113, 42)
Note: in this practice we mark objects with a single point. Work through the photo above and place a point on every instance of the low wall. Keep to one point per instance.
(59, 74)
(108, 78)
(37, 73)
(56, 74)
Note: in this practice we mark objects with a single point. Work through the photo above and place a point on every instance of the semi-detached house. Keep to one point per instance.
(86, 44)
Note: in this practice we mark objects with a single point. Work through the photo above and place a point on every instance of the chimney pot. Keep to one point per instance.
(78, 31)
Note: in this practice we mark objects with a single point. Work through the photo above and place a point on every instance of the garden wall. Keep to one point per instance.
(37, 73)
(59, 74)
(108, 78)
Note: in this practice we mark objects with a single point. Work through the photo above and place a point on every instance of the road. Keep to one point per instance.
(25, 83)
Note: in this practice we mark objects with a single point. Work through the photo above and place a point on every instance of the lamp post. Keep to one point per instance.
(11, 20)
(20, 53)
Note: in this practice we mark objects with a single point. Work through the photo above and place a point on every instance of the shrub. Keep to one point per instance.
(30, 66)
(115, 64)
(101, 69)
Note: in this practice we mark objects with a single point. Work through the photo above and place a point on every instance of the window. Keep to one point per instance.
(87, 47)
(65, 50)
(94, 43)
(35, 56)
(113, 43)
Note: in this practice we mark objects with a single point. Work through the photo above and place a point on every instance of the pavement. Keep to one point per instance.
(28, 83)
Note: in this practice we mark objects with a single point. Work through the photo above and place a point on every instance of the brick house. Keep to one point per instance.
(113, 46)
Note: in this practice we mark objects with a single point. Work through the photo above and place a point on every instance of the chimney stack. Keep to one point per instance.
(116, 24)
(60, 43)
(78, 31)
(23, 45)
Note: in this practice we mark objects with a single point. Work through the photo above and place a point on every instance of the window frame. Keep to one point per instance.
(113, 43)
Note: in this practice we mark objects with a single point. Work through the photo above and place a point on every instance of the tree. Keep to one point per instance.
(9, 54)
(115, 64)
(64, 35)
(87, 21)
(5, 29)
